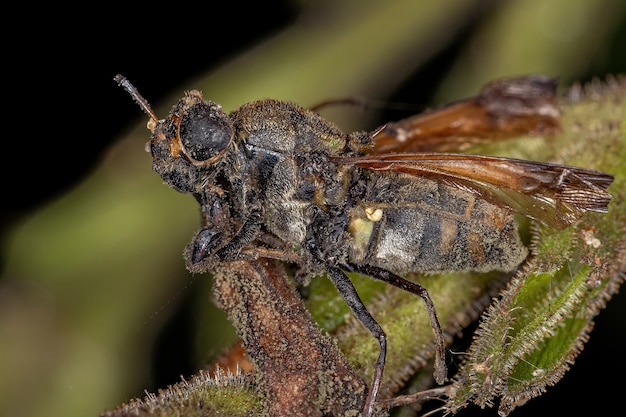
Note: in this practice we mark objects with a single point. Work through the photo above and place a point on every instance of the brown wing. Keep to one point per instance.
(555, 195)
(504, 108)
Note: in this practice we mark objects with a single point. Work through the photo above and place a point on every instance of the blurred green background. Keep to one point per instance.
(95, 303)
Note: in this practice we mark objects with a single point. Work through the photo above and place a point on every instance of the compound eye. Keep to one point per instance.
(205, 132)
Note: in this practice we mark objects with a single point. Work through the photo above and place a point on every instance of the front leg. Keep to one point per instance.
(217, 240)
(208, 245)
(245, 235)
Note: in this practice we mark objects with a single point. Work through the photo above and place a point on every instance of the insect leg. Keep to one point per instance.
(349, 294)
(246, 234)
(204, 242)
(383, 275)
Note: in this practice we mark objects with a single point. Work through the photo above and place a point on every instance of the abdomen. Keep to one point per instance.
(409, 224)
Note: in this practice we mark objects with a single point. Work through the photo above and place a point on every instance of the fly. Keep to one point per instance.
(276, 180)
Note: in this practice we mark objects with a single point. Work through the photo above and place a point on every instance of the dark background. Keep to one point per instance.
(60, 81)
(61, 78)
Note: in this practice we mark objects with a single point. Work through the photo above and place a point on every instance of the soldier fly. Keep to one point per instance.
(276, 180)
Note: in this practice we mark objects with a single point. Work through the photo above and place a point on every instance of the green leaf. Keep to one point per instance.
(531, 335)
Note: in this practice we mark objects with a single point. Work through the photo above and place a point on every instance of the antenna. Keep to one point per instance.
(143, 103)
